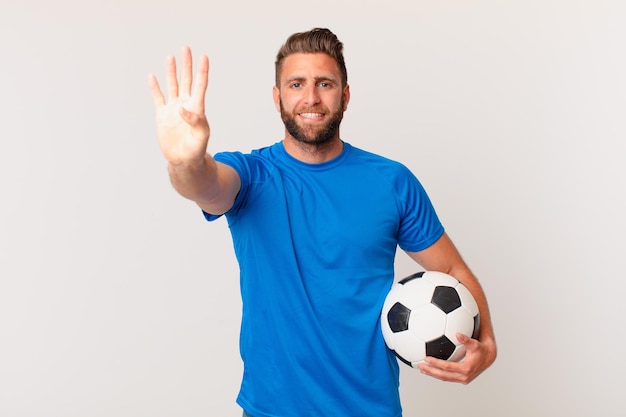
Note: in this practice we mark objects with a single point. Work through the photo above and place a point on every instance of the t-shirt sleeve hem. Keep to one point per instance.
(434, 237)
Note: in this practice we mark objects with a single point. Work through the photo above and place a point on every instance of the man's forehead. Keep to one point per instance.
(316, 65)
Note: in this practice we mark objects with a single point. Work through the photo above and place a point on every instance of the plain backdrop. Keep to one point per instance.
(118, 299)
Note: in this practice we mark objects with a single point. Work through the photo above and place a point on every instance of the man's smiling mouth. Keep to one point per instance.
(311, 115)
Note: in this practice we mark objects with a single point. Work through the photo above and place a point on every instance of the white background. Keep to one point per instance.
(118, 299)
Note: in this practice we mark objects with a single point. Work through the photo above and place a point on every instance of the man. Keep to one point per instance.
(315, 225)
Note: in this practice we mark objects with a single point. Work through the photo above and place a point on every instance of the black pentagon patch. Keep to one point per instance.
(411, 277)
(441, 348)
(398, 318)
(446, 298)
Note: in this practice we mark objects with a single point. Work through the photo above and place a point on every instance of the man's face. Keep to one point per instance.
(310, 98)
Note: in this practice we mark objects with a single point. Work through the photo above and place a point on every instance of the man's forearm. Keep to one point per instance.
(196, 181)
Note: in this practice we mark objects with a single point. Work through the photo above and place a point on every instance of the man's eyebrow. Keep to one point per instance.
(325, 78)
(295, 78)
(317, 78)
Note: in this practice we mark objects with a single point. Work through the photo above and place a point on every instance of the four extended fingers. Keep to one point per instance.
(173, 88)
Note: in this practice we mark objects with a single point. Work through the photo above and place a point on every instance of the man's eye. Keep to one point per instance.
(296, 85)
(324, 85)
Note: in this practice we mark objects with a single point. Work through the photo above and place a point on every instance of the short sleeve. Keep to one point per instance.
(420, 226)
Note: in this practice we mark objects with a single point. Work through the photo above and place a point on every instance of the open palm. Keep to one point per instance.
(182, 128)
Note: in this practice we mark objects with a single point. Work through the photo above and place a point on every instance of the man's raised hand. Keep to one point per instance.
(182, 128)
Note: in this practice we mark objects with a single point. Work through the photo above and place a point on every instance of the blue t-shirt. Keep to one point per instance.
(316, 245)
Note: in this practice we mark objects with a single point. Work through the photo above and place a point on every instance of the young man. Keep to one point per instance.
(315, 225)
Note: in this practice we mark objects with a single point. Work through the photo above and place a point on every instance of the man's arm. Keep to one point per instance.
(183, 133)
(211, 184)
(442, 256)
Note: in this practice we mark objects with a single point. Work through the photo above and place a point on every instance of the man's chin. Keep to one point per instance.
(313, 139)
(313, 135)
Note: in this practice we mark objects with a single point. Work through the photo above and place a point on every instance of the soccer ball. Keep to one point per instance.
(422, 314)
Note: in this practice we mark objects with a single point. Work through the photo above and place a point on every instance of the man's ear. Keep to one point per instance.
(346, 97)
(276, 96)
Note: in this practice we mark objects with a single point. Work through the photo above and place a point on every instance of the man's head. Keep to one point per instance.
(318, 40)
(311, 89)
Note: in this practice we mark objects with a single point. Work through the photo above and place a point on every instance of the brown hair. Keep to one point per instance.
(318, 40)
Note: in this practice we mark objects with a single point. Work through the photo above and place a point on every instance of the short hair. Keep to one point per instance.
(317, 40)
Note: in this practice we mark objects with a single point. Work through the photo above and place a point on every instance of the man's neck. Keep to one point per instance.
(313, 153)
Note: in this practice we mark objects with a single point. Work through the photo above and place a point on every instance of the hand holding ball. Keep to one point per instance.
(423, 313)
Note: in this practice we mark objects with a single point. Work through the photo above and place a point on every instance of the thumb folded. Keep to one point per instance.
(189, 117)
(197, 122)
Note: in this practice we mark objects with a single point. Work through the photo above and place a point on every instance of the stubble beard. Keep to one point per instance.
(310, 135)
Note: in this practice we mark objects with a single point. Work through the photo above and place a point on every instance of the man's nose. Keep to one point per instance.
(312, 95)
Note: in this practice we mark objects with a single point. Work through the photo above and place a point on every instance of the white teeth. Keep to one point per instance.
(311, 115)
